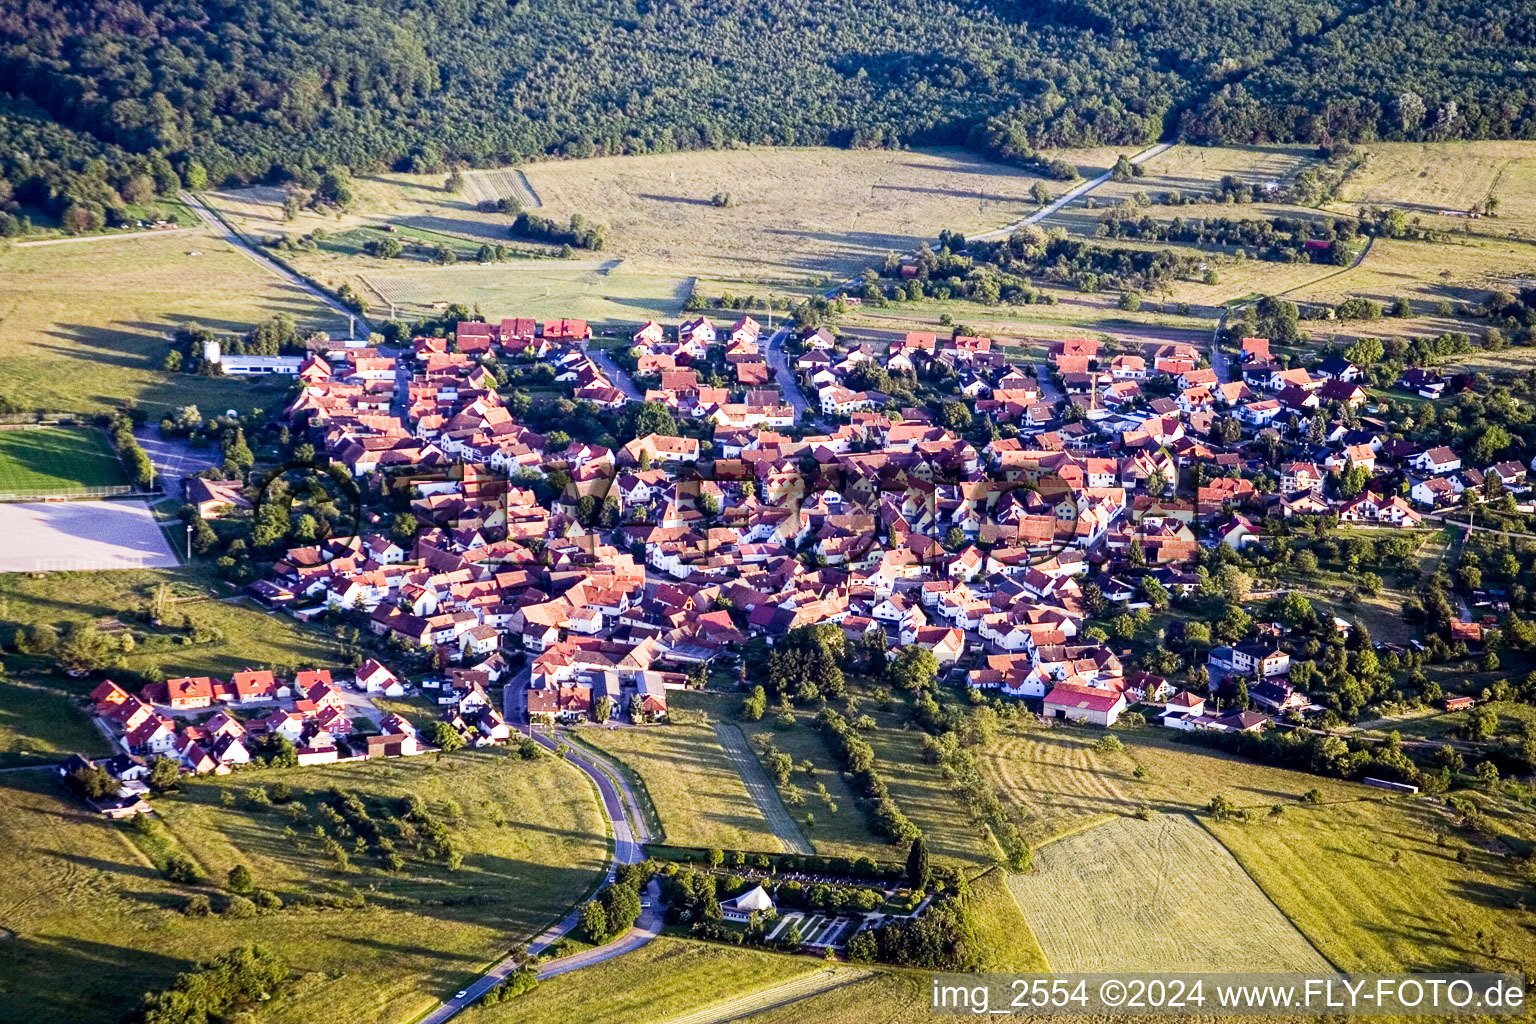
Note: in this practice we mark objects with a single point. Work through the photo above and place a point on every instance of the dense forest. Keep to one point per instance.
(276, 89)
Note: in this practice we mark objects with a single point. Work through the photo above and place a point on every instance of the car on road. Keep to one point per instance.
(461, 993)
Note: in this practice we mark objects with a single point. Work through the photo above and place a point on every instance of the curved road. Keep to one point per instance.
(629, 837)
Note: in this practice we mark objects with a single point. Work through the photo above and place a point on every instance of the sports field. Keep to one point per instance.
(1154, 895)
(78, 536)
(57, 459)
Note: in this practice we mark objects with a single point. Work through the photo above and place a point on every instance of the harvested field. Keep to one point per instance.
(81, 535)
(483, 186)
(1061, 781)
(1057, 779)
(1155, 895)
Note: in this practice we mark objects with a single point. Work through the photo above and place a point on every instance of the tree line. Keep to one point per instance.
(105, 99)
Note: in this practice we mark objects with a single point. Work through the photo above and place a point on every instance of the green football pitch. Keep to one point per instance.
(57, 460)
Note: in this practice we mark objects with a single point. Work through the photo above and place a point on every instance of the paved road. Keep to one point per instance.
(1221, 362)
(1071, 194)
(118, 237)
(175, 460)
(277, 269)
(617, 376)
(778, 360)
(760, 786)
(627, 850)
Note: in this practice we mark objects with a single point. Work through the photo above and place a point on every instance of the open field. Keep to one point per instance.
(1461, 270)
(95, 925)
(697, 790)
(599, 291)
(1331, 871)
(57, 459)
(1158, 895)
(1196, 173)
(664, 980)
(796, 211)
(83, 327)
(41, 723)
(1058, 778)
(81, 536)
(227, 635)
(1423, 178)
(405, 200)
(925, 796)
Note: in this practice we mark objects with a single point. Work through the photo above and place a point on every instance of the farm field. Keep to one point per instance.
(796, 211)
(42, 723)
(95, 924)
(1422, 178)
(1368, 884)
(228, 636)
(698, 793)
(1154, 895)
(57, 459)
(1060, 780)
(85, 326)
(666, 980)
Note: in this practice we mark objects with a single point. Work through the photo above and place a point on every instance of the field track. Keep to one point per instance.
(774, 996)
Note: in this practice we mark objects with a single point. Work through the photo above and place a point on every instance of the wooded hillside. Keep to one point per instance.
(274, 89)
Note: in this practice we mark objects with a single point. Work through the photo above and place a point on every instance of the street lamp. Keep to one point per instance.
(189, 542)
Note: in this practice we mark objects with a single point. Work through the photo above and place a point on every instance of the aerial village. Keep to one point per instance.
(788, 497)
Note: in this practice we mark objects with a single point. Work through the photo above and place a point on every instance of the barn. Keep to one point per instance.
(1091, 704)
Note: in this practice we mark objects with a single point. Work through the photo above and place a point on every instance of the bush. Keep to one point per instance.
(239, 908)
(197, 906)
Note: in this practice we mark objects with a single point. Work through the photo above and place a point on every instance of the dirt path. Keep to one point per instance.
(774, 996)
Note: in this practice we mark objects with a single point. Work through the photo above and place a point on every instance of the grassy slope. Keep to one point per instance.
(1329, 870)
(667, 978)
(250, 637)
(41, 722)
(96, 925)
(700, 797)
(83, 326)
